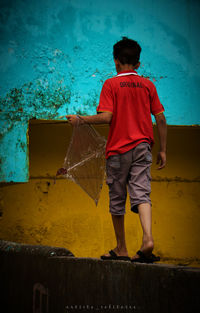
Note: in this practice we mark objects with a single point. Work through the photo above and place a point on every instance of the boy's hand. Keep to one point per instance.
(161, 160)
(73, 119)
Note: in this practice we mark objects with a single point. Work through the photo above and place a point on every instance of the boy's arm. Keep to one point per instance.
(101, 118)
(162, 134)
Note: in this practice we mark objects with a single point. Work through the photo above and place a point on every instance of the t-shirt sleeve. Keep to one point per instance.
(156, 106)
(106, 99)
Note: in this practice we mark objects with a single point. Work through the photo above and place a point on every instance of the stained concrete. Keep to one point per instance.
(13, 248)
(41, 284)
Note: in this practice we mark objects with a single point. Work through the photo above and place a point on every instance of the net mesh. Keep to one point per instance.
(84, 163)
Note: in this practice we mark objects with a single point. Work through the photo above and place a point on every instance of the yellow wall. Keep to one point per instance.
(61, 214)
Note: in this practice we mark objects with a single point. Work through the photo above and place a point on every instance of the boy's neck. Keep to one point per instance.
(125, 67)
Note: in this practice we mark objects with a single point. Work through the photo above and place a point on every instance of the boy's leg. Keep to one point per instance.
(139, 187)
(118, 224)
(117, 168)
(146, 223)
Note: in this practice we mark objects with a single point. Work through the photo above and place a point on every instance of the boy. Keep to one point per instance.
(126, 103)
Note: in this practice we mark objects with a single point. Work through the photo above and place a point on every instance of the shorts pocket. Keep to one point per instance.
(114, 161)
(113, 167)
(148, 157)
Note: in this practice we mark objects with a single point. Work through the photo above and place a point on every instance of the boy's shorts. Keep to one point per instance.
(132, 170)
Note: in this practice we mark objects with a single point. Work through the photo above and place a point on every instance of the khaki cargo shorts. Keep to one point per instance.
(129, 170)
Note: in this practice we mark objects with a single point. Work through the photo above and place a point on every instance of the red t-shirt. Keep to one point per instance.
(131, 99)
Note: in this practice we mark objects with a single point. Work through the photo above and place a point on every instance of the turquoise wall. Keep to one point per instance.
(55, 56)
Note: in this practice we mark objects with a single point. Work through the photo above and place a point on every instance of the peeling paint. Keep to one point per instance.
(38, 99)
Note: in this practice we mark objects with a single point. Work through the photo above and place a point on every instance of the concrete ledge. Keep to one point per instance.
(10, 247)
(41, 284)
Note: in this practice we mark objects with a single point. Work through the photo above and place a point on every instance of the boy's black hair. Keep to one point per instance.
(127, 51)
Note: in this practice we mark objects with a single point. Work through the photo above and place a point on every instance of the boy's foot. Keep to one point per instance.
(142, 258)
(146, 250)
(116, 254)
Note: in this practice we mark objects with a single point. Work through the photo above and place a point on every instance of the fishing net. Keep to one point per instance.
(84, 163)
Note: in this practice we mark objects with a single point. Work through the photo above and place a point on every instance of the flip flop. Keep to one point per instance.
(155, 258)
(145, 259)
(114, 256)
